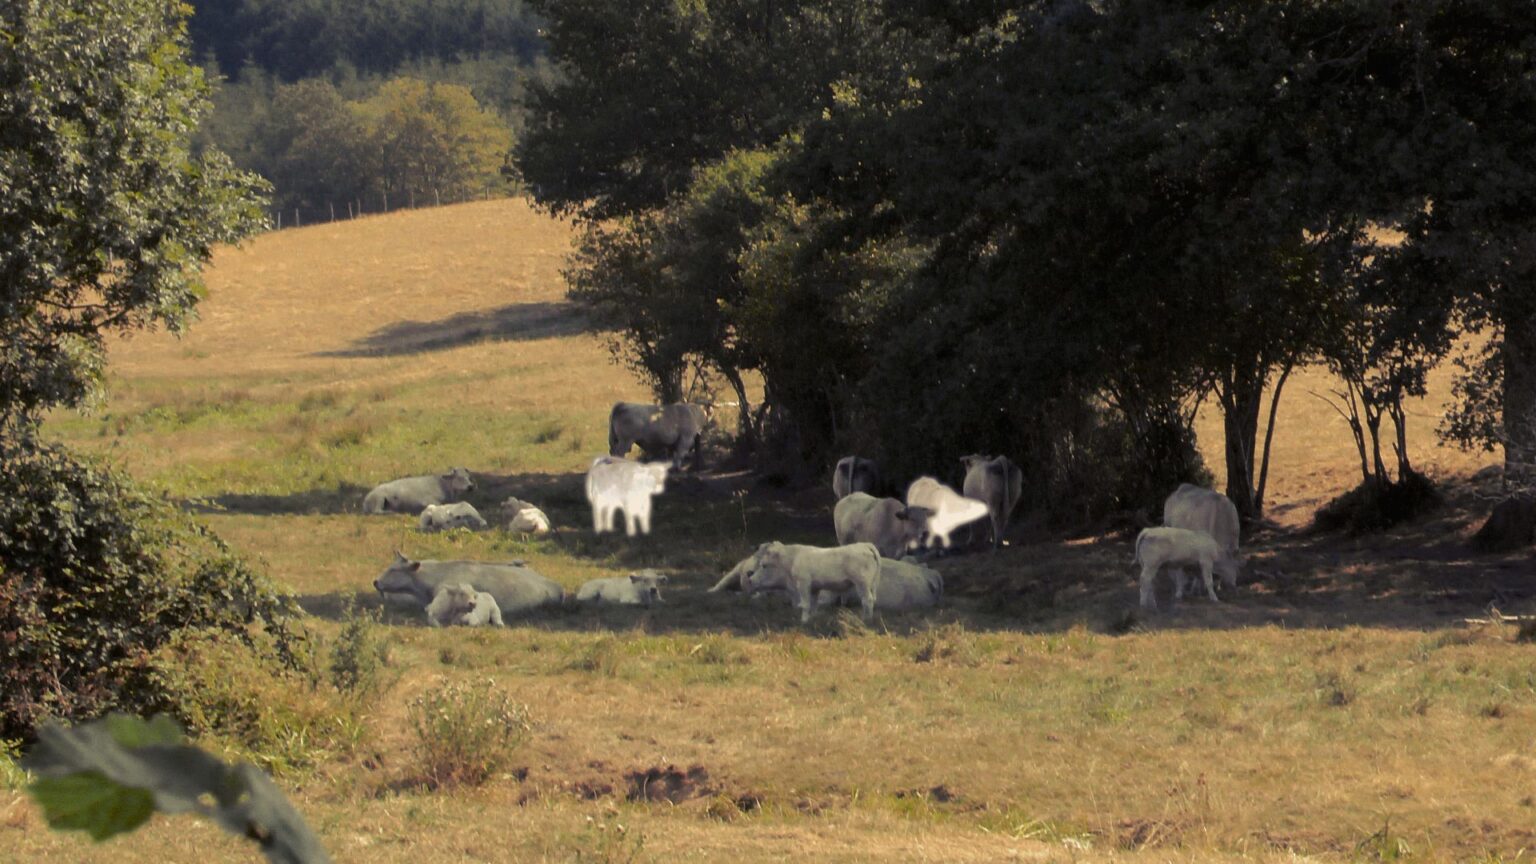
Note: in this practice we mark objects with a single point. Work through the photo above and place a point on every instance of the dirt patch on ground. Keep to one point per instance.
(669, 783)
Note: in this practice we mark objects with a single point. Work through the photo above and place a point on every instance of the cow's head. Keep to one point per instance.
(400, 577)
(914, 526)
(648, 583)
(458, 481)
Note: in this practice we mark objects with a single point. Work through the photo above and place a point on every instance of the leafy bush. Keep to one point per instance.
(282, 715)
(1376, 506)
(464, 733)
(95, 577)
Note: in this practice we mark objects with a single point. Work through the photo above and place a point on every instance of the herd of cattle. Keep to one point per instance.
(871, 565)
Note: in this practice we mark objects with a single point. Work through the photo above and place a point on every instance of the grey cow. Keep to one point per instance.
(514, 586)
(459, 603)
(636, 589)
(413, 494)
(673, 430)
(996, 482)
(886, 522)
(854, 474)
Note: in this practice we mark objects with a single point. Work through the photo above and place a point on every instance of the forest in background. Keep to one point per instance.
(350, 108)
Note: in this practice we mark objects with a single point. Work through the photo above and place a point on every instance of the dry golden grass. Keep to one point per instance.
(1336, 708)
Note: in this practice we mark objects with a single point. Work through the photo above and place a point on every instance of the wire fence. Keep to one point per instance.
(383, 202)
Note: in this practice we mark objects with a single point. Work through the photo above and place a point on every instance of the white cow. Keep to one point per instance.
(806, 571)
(1180, 547)
(459, 603)
(892, 526)
(904, 585)
(524, 518)
(618, 484)
(853, 474)
(413, 494)
(996, 482)
(446, 517)
(636, 589)
(949, 509)
(1200, 509)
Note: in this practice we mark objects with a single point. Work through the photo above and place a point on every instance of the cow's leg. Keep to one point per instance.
(1210, 587)
(597, 518)
(643, 516)
(1148, 586)
(1180, 579)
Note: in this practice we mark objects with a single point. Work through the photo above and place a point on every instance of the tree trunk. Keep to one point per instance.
(1269, 435)
(1519, 400)
(1242, 395)
(746, 430)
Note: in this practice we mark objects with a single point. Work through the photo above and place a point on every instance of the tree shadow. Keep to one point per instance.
(518, 322)
(341, 498)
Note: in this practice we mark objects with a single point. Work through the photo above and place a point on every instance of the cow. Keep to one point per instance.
(413, 494)
(614, 484)
(1156, 547)
(853, 474)
(514, 586)
(524, 518)
(446, 517)
(892, 526)
(904, 585)
(996, 482)
(806, 571)
(1200, 509)
(460, 603)
(947, 508)
(672, 430)
(636, 589)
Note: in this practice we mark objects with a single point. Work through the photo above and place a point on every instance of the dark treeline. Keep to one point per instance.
(1051, 229)
(294, 39)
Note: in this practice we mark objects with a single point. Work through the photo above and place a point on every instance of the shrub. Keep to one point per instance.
(1376, 506)
(464, 733)
(95, 577)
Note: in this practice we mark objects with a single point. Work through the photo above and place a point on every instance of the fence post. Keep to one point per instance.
(438, 197)
(296, 217)
(412, 193)
(333, 210)
(279, 220)
(386, 202)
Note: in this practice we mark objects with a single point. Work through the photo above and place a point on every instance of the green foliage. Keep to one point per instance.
(108, 214)
(95, 576)
(282, 713)
(465, 732)
(108, 777)
(432, 138)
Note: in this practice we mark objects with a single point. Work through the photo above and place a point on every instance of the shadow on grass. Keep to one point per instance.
(341, 498)
(518, 322)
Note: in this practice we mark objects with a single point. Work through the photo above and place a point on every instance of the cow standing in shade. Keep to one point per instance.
(948, 508)
(619, 484)
(886, 522)
(996, 482)
(1199, 509)
(413, 494)
(671, 430)
(1179, 547)
(806, 571)
(853, 474)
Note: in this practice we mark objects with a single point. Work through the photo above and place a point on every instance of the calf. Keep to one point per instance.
(636, 589)
(615, 484)
(1156, 547)
(459, 603)
(446, 517)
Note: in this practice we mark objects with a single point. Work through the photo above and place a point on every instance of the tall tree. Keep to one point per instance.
(106, 214)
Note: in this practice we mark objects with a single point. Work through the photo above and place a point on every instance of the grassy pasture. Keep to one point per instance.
(1337, 709)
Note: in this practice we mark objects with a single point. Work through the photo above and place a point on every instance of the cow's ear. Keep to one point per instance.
(400, 557)
(414, 566)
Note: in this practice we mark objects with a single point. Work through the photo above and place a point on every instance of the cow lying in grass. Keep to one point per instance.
(806, 571)
(636, 589)
(514, 586)
(446, 517)
(904, 585)
(413, 494)
(459, 603)
(1179, 547)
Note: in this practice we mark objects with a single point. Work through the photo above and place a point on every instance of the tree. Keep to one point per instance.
(106, 214)
(432, 139)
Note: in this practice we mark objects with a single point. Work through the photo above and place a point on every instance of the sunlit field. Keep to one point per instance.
(1339, 706)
